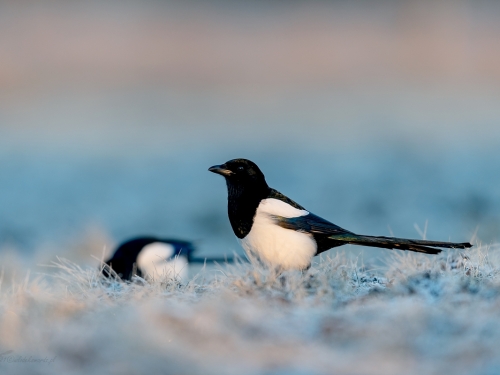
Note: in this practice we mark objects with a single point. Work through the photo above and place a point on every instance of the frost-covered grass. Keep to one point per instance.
(416, 315)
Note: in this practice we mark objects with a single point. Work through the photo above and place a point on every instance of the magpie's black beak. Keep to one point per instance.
(221, 169)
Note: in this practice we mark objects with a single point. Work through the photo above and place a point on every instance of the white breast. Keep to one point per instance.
(154, 262)
(277, 246)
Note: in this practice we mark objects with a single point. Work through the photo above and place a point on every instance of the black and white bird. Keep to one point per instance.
(155, 258)
(284, 235)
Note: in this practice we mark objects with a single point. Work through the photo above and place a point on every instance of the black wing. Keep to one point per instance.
(311, 224)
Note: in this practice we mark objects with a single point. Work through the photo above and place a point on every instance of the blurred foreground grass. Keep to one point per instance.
(415, 315)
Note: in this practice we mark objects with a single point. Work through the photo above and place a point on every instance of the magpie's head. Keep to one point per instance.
(240, 172)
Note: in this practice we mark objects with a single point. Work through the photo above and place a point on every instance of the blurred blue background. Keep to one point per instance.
(380, 116)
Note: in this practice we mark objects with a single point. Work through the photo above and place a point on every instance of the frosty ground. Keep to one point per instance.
(415, 315)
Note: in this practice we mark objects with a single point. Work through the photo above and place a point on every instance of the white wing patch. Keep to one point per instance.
(277, 246)
(273, 206)
(154, 262)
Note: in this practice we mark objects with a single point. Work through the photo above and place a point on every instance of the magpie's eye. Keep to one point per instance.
(240, 168)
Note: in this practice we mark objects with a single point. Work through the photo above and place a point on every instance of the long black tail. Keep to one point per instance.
(420, 246)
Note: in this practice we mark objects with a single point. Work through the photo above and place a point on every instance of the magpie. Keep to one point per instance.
(281, 233)
(152, 257)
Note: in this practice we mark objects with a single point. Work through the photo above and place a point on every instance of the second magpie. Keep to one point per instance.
(155, 258)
